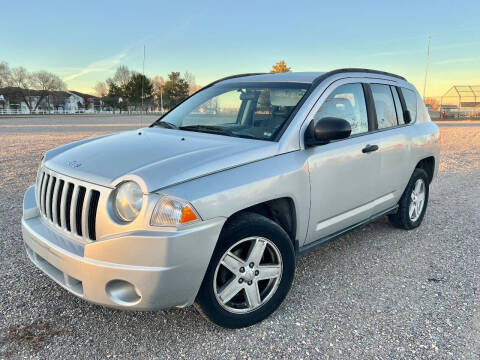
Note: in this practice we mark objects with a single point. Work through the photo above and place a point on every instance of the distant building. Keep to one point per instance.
(15, 100)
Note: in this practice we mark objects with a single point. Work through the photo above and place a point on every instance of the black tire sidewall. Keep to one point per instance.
(247, 225)
(405, 201)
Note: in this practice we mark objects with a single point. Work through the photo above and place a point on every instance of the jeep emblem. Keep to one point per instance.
(74, 164)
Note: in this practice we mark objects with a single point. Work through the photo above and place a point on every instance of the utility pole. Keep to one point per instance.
(426, 68)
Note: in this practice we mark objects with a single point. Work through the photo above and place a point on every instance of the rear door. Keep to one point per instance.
(393, 140)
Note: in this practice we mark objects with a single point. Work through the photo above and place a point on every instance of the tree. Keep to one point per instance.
(280, 67)
(36, 86)
(190, 79)
(122, 76)
(4, 74)
(175, 90)
(21, 79)
(113, 95)
(133, 90)
(101, 89)
(433, 102)
(195, 89)
(158, 83)
(46, 82)
(117, 87)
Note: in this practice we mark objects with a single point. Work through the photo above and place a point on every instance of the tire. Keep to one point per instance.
(240, 243)
(406, 218)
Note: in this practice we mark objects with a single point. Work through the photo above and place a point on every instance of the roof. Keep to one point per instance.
(83, 95)
(15, 95)
(299, 77)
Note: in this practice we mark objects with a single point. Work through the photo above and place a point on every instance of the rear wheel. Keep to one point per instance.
(250, 273)
(413, 203)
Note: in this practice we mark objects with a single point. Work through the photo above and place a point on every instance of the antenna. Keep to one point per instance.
(143, 77)
(426, 68)
(143, 72)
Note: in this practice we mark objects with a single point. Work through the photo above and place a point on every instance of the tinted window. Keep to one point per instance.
(411, 102)
(384, 106)
(398, 105)
(346, 102)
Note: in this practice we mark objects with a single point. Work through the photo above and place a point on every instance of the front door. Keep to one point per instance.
(342, 172)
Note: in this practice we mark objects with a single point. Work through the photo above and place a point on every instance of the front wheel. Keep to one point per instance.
(250, 273)
(413, 203)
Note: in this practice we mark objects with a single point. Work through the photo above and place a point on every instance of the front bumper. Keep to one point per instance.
(140, 270)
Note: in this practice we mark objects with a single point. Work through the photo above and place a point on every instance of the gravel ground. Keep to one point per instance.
(377, 292)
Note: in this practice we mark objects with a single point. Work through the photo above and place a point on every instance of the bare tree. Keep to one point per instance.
(100, 89)
(21, 79)
(46, 82)
(158, 83)
(4, 74)
(122, 76)
(190, 79)
(40, 83)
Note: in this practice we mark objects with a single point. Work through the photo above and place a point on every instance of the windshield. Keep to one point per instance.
(249, 110)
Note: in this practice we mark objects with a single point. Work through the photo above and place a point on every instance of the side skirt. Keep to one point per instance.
(308, 247)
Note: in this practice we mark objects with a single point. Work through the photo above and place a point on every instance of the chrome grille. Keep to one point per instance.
(68, 204)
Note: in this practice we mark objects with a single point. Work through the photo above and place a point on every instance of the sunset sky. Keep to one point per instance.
(83, 42)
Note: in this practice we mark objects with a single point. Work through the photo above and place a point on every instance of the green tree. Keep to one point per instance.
(133, 90)
(115, 93)
(280, 67)
(117, 88)
(175, 90)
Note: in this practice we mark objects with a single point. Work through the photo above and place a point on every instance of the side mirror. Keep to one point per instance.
(326, 130)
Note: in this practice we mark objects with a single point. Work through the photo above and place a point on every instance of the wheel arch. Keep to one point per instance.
(280, 210)
(427, 164)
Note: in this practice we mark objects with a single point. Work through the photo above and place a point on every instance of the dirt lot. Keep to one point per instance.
(377, 292)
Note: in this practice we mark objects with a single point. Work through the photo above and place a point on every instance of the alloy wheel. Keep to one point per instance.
(417, 200)
(248, 275)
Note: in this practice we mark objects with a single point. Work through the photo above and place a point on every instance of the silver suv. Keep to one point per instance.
(211, 203)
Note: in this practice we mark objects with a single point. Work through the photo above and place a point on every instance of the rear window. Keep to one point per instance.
(384, 106)
(411, 103)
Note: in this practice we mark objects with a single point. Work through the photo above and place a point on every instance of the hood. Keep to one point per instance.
(155, 157)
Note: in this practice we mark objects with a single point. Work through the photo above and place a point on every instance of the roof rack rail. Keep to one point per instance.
(233, 77)
(350, 70)
(317, 81)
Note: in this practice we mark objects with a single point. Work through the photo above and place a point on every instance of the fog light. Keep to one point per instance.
(122, 292)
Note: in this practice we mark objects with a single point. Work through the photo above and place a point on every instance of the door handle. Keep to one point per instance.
(369, 148)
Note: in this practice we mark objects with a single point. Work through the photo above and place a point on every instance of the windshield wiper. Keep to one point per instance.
(207, 129)
(165, 124)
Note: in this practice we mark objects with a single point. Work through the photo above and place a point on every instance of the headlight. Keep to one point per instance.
(128, 201)
(171, 211)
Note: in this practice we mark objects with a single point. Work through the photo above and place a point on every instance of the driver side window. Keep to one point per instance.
(346, 102)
